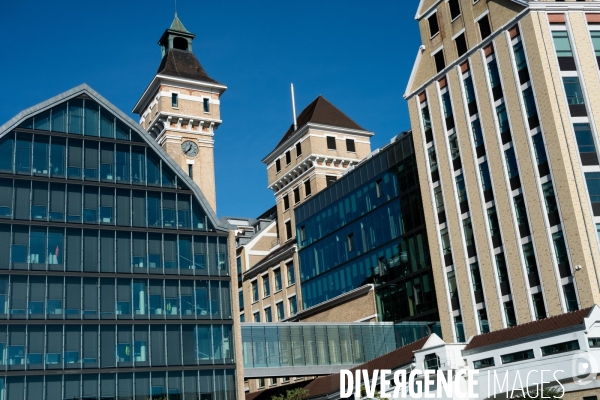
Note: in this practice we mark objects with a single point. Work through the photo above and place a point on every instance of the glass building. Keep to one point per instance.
(369, 227)
(114, 272)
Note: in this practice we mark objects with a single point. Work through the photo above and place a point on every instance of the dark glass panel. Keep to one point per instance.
(138, 165)
(59, 118)
(41, 146)
(92, 118)
(76, 116)
(107, 124)
(123, 164)
(6, 152)
(23, 153)
(57, 157)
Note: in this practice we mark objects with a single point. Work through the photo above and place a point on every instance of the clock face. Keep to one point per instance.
(189, 148)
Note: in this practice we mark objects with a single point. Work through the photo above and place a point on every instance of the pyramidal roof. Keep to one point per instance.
(177, 25)
(322, 112)
(183, 64)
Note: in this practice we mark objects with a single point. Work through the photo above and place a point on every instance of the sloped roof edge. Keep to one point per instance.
(86, 89)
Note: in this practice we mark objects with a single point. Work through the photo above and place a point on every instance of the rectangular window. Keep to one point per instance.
(562, 44)
(330, 180)
(298, 149)
(440, 63)
(594, 342)
(461, 44)
(291, 275)
(378, 184)
(433, 164)
(286, 202)
(266, 286)
(549, 197)
(191, 171)
(350, 146)
(520, 210)
(294, 306)
(570, 297)
(278, 282)
(540, 149)
(257, 318)
(288, 230)
(468, 231)
(502, 115)
(484, 323)
(494, 74)
(520, 58)
(529, 255)
(452, 288)
(206, 104)
(174, 100)
(486, 180)
(454, 149)
(560, 348)
(538, 305)
(447, 105)
(288, 157)
(297, 195)
(434, 27)
(350, 244)
(485, 363)
(529, 101)
(280, 312)
(511, 318)
(476, 277)
(469, 89)
(454, 9)
(484, 27)
(560, 247)
(445, 241)
(460, 188)
(254, 291)
(573, 90)
(493, 221)
(518, 356)
(278, 165)
(268, 315)
(460, 329)
(585, 140)
(501, 268)
(511, 162)
(307, 189)
(426, 118)
(331, 143)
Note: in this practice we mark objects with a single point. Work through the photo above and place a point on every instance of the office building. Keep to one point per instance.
(504, 112)
(114, 270)
(362, 243)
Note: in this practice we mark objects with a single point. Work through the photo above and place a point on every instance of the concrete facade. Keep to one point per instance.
(529, 146)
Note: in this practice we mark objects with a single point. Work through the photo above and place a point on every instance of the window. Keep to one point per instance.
(585, 140)
(241, 300)
(460, 329)
(520, 58)
(447, 105)
(460, 188)
(494, 74)
(434, 28)
(511, 318)
(268, 315)
(529, 256)
(540, 150)
(293, 305)
(278, 282)
(298, 149)
(330, 179)
(560, 348)
(502, 115)
(266, 286)
(454, 9)
(191, 171)
(278, 165)
(518, 356)
(511, 162)
(331, 143)
(562, 44)
(468, 231)
(570, 297)
(445, 241)
(486, 180)
(529, 100)
(297, 195)
(206, 104)
(426, 118)
(286, 202)
(254, 291)
(560, 247)
(484, 324)
(256, 316)
(538, 305)
(573, 90)
(484, 27)
(350, 146)
(378, 187)
(302, 234)
(174, 100)
(452, 288)
(432, 361)
(273, 381)
(469, 90)
(476, 277)
(485, 363)
(501, 268)
(594, 342)
(350, 244)
(440, 63)
(242, 317)
(261, 382)
(288, 230)
(549, 197)
(291, 275)
(280, 314)
(433, 164)
(454, 149)
(307, 189)
(288, 157)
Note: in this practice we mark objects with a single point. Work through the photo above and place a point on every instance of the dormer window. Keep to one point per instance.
(174, 100)
(434, 28)
(206, 105)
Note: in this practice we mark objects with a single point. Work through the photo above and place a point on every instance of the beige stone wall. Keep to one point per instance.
(354, 310)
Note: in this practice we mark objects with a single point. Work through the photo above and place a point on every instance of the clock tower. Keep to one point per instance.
(181, 108)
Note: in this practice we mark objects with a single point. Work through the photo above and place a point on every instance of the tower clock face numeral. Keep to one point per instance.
(189, 148)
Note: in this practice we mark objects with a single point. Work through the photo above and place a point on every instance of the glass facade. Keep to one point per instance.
(377, 205)
(108, 263)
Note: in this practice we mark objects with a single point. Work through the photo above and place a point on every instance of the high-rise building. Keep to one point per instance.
(114, 270)
(181, 108)
(503, 108)
(362, 244)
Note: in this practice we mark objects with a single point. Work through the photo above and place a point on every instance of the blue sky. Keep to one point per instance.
(357, 54)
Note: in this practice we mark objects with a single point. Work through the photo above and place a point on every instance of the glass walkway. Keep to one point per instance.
(306, 349)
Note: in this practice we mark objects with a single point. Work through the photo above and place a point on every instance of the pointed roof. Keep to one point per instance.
(183, 64)
(177, 25)
(322, 112)
(85, 90)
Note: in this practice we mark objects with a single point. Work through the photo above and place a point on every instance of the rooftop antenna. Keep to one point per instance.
(293, 107)
(175, 7)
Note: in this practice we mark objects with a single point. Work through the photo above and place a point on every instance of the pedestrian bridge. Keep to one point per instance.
(289, 349)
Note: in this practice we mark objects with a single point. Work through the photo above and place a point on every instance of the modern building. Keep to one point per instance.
(181, 108)
(504, 112)
(114, 270)
(362, 243)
